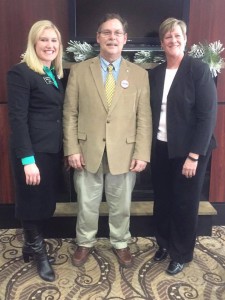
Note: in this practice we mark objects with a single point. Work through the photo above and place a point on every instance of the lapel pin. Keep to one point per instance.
(124, 84)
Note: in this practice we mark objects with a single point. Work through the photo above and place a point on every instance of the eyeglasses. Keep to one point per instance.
(107, 33)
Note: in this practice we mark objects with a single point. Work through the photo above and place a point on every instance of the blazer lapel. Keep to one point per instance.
(159, 85)
(97, 76)
(160, 82)
(123, 75)
(182, 70)
(60, 89)
(46, 78)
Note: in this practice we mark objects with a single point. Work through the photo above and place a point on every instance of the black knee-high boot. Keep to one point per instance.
(27, 249)
(34, 247)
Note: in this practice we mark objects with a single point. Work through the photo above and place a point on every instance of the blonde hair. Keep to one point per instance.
(169, 24)
(30, 57)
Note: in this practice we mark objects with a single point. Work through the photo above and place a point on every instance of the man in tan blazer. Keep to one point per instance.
(105, 143)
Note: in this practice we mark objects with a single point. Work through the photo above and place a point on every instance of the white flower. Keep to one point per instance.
(210, 54)
(197, 51)
(216, 47)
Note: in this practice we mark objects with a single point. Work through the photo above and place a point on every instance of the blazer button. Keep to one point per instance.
(104, 140)
(108, 121)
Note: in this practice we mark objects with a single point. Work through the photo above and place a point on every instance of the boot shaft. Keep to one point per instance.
(34, 246)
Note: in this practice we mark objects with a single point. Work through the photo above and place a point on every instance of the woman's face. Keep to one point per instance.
(174, 43)
(47, 46)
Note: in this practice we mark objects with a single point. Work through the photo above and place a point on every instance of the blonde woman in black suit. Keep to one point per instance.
(35, 100)
(184, 105)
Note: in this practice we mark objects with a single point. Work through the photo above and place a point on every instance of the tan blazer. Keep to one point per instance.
(125, 129)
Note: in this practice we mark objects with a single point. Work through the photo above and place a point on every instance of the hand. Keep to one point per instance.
(76, 161)
(32, 174)
(137, 165)
(189, 168)
(66, 163)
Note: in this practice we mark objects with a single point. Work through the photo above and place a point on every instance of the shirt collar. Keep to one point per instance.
(104, 63)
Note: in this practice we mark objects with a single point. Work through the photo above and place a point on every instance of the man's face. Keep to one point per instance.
(111, 38)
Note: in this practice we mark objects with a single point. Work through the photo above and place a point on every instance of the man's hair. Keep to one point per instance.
(111, 16)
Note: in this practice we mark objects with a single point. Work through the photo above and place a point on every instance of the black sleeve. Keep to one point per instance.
(18, 103)
(205, 105)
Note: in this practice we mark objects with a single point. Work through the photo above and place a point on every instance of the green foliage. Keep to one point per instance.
(80, 51)
(149, 56)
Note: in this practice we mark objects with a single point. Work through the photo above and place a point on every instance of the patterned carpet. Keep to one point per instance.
(102, 279)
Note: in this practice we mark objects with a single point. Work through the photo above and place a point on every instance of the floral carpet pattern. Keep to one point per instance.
(101, 278)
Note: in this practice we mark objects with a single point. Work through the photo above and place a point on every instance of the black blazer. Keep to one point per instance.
(191, 107)
(35, 112)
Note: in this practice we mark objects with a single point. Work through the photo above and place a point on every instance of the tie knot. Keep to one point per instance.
(110, 68)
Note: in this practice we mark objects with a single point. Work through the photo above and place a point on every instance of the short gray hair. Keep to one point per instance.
(169, 24)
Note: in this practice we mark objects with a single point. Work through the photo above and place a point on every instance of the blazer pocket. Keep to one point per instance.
(82, 136)
(131, 139)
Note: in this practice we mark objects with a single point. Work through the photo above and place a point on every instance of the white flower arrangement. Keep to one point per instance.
(210, 54)
(81, 51)
(147, 56)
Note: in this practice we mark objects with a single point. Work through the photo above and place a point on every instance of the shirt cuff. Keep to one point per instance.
(28, 160)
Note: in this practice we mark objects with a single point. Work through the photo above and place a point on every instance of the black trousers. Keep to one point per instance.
(176, 202)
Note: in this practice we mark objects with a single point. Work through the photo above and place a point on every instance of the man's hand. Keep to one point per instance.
(76, 161)
(137, 165)
(32, 174)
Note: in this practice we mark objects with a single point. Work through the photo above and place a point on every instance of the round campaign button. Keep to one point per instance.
(124, 84)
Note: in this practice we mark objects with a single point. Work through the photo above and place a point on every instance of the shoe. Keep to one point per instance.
(124, 257)
(27, 253)
(174, 268)
(81, 255)
(28, 257)
(37, 247)
(160, 254)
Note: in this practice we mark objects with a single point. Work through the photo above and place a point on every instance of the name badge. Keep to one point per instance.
(48, 80)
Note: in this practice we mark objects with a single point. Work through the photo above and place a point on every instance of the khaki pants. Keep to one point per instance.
(118, 190)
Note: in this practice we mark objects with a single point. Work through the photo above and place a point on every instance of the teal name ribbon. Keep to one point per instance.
(51, 75)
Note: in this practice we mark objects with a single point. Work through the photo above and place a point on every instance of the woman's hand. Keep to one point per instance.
(32, 174)
(189, 168)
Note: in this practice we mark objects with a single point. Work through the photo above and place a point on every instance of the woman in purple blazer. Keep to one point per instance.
(35, 99)
(184, 105)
